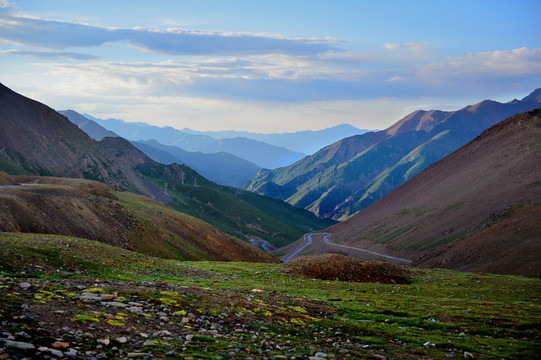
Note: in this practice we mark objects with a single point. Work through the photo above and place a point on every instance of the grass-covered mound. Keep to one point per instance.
(344, 268)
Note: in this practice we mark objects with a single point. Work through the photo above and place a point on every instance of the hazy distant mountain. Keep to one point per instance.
(477, 209)
(92, 128)
(262, 154)
(307, 142)
(222, 168)
(353, 173)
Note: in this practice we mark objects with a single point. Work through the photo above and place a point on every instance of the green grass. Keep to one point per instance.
(238, 212)
(491, 316)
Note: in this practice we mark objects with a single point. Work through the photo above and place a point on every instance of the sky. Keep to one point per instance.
(269, 66)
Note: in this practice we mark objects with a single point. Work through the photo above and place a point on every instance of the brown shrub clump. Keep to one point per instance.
(343, 268)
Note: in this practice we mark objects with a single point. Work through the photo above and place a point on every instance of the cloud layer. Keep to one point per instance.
(181, 74)
(61, 35)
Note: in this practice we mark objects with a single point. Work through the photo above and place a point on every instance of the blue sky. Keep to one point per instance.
(268, 66)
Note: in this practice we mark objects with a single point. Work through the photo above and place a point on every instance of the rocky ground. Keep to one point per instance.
(107, 319)
(63, 298)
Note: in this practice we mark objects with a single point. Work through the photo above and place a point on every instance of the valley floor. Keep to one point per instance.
(68, 297)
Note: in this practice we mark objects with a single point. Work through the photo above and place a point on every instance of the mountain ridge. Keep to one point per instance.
(366, 167)
(453, 215)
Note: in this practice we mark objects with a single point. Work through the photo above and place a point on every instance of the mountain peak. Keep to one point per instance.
(535, 96)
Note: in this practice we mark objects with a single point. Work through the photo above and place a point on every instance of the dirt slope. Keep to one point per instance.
(91, 210)
(476, 209)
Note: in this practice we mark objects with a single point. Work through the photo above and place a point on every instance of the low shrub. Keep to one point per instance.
(343, 268)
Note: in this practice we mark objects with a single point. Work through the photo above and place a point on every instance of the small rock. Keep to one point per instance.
(89, 296)
(380, 357)
(21, 335)
(104, 341)
(19, 345)
(121, 340)
(185, 320)
(136, 355)
(344, 351)
(56, 353)
(149, 343)
(60, 345)
(115, 304)
(107, 296)
(135, 309)
(320, 354)
(161, 333)
(24, 285)
(71, 353)
(468, 355)
(189, 337)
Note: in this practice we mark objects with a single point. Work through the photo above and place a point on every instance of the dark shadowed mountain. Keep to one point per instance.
(307, 142)
(36, 140)
(92, 128)
(257, 152)
(477, 209)
(351, 174)
(222, 168)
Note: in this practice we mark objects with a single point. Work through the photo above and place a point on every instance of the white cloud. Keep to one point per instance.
(408, 46)
(489, 67)
(395, 78)
(4, 4)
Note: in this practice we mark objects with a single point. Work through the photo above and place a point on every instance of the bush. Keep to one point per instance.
(343, 268)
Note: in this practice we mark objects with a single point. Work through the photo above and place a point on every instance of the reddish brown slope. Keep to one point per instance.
(476, 209)
(92, 210)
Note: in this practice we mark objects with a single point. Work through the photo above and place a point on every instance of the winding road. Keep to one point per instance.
(308, 238)
(326, 239)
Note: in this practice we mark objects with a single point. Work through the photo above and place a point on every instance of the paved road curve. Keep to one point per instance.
(328, 235)
(326, 238)
(308, 238)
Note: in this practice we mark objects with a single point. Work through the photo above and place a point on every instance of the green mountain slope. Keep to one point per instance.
(353, 173)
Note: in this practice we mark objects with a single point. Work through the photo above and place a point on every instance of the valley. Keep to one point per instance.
(108, 253)
(270, 180)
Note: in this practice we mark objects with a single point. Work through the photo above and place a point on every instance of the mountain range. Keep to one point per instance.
(351, 174)
(222, 168)
(477, 209)
(262, 154)
(307, 141)
(36, 140)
